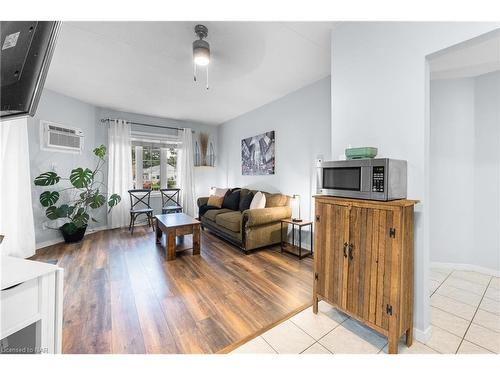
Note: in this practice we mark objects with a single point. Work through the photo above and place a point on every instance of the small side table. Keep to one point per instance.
(291, 248)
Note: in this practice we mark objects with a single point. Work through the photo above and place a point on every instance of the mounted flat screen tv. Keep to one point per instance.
(26, 48)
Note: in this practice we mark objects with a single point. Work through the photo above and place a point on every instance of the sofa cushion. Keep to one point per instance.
(276, 200)
(212, 214)
(203, 209)
(229, 220)
(245, 201)
(232, 201)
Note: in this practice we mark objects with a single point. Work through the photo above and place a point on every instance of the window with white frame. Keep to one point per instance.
(154, 161)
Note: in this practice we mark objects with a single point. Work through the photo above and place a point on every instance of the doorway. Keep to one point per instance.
(464, 192)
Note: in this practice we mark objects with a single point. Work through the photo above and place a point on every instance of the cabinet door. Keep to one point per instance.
(332, 230)
(369, 271)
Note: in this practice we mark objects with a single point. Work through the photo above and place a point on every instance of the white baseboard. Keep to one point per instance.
(40, 245)
(422, 336)
(466, 267)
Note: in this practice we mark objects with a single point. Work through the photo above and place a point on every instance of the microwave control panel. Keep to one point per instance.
(378, 179)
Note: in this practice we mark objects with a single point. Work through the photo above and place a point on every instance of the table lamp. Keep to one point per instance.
(296, 202)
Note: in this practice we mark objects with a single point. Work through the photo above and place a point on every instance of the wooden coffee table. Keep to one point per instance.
(174, 225)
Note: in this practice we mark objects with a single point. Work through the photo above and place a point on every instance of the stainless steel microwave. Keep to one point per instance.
(376, 179)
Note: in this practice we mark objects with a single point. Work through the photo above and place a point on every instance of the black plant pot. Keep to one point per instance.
(72, 233)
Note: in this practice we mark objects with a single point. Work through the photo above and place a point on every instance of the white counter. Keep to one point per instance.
(32, 293)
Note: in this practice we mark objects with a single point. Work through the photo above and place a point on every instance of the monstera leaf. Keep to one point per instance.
(114, 199)
(47, 179)
(97, 200)
(49, 198)
(63, 211)
(80, 178)
(81, 218)
(51, 213)
(100, 151)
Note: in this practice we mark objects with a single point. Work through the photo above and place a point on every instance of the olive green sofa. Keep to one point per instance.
(250, 229)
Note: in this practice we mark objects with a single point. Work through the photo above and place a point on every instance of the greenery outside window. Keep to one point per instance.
(154, 164)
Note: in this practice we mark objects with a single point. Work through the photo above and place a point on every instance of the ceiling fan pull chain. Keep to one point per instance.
(194, 73)
(207, 78)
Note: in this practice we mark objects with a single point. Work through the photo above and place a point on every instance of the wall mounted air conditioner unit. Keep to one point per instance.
(57, 137)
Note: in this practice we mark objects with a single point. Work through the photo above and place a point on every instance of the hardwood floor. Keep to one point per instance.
(122, 296)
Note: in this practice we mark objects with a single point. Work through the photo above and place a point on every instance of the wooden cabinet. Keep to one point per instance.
(364, 262)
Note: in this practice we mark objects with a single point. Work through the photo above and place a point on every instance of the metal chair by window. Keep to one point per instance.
(140, 204)
(170, 201)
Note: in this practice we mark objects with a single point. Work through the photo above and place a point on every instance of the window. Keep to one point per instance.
(154, 164)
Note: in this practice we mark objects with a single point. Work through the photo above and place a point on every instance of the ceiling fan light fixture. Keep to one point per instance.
(201, 52)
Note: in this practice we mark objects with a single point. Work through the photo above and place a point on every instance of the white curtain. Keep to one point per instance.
(16, 212)
(139, 175)
(163, 167)
(185, 172)
(119, 171)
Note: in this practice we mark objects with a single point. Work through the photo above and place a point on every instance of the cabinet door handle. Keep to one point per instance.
(351, 250)
(346, 245)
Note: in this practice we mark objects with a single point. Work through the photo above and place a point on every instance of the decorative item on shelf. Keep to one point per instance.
(84, 195)
(203, 148)
(204, 151)
(360, 153)
(211, 155)
(196, 153)
(296, 203)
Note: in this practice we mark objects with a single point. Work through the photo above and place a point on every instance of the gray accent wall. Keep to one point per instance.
(75, 113)
(302, 124)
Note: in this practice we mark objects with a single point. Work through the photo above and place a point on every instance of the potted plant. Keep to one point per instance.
(84, 195)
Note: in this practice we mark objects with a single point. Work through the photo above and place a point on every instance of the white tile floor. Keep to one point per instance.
(465, 318)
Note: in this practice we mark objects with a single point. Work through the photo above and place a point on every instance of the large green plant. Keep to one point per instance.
(85, 194)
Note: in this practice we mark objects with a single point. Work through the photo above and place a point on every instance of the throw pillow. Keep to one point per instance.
(258, 201)
(215, 201)
(245, 201)
(232, 201)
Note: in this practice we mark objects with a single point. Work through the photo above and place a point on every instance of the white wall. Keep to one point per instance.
(451, 168)
(379, 88)
(486, 251)
(301, 121)
(464, 172)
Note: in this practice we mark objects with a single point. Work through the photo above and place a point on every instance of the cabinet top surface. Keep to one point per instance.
(15, 270)
(176, 220)
(398, 202)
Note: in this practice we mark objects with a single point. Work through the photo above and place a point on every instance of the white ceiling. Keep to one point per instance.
(146, 67)
(469, 59)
